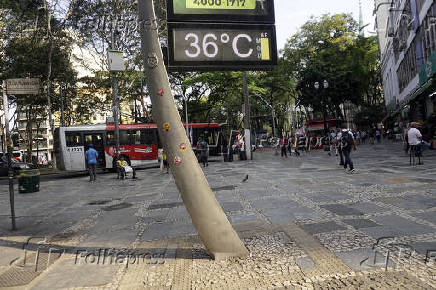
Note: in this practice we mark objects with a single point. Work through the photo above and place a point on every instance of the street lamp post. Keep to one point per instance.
(324, 113)
(273, 114)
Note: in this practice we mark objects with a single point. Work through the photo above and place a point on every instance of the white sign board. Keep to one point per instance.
(22, 86)
(116, 60)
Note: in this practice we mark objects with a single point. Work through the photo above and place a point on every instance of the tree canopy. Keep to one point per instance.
(329, 48)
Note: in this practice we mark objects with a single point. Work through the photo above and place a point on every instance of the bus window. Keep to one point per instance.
(124, 137)
(156, 138)
(110, 138)
(135, 136)
(88, 139)
(148, 137)
(73, 139)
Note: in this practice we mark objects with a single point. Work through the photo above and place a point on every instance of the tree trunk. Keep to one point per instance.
(212, 225)
(49, 69)
(144, 107)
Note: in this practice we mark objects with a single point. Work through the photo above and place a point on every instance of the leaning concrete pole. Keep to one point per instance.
(212, 225)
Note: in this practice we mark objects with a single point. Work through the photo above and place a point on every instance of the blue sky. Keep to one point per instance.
(292, 14)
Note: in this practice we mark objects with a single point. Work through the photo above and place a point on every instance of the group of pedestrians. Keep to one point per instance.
(372, 136)
(291, 144)
(122, 165)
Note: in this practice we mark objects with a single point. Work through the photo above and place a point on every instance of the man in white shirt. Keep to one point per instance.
(413, 135)
(414, 138)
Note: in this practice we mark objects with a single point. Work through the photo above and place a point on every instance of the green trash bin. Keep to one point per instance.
(28, 181)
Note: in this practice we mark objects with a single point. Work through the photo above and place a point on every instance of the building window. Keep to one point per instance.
(428, 30)
(408, 67)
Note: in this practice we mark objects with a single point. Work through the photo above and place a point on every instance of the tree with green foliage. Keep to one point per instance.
(329, 48)
(278, 88)
(96, 21)
(35, 45)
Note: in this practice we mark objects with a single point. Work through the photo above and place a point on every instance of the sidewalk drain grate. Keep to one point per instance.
(99, 202)
(20, 276)
(117, 206)
(227, 187)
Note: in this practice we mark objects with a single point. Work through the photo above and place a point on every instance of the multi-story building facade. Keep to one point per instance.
(37, 132)
(407, 38)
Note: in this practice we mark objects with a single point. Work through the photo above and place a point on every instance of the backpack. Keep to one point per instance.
(203, 145)
(346, 140)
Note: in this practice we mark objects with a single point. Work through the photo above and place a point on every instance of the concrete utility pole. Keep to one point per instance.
(247, 130)
(116, 100)
(212, 225)
(9, 155)
(116, 112)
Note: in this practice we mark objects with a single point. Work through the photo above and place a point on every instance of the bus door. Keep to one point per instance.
(74, 153)
(96, 139)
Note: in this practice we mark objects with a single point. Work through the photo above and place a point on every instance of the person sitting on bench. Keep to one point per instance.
(124, 168)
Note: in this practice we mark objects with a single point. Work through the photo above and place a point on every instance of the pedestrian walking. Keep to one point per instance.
(378, 136)
(364, 135)
(166, 167)
(202, 144)
(290, 142)
(358, 137)
(339, 149)
(283, 146)
(347, 144)
(91, 156)
(332, 142)
(371, 136)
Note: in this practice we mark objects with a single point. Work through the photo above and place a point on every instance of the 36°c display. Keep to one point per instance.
(196, 46)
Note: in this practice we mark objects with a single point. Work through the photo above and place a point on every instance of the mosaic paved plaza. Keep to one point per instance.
(306, 223)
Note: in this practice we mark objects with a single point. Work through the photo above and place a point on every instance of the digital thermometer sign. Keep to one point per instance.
(255, 11)
(221, 46)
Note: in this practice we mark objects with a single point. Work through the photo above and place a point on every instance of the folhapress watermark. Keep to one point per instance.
(40, 254)
(390, 247)
(116, 257)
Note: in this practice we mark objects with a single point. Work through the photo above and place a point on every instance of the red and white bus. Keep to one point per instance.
(139, 143)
